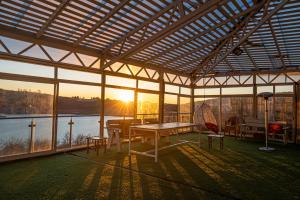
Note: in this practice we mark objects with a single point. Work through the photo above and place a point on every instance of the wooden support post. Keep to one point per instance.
(178, 107)
(220, 111)
(273, 105)
(54, 111)
(192, 103)
(102, 106)
(296, 104)
(254, 108)
(135, 100)
(161, 96)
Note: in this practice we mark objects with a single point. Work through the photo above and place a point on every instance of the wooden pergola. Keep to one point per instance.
(187, 43)
(188, 37)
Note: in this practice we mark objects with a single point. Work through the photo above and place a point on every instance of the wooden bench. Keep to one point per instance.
(252, 128)
(256, 128)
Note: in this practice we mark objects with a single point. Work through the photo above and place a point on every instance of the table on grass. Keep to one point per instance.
(154, 130)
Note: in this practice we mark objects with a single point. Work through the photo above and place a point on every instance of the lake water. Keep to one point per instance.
(18, 129)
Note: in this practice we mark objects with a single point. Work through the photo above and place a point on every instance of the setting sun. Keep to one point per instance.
(125, 95)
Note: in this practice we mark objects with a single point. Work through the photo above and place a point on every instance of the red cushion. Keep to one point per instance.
(275, 128)
(212, 127)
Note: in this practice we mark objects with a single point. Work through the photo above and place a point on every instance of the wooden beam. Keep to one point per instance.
(102, 21)
(185, 41)
(234, 41)
(53, 16)
(59, 44)
(141, 26)
(183, 21)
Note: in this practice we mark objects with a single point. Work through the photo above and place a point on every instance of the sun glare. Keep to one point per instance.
(125, 96)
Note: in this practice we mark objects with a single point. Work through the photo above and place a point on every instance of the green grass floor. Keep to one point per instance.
(240, 171)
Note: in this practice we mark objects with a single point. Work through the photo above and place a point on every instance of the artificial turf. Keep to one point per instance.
(240, 171)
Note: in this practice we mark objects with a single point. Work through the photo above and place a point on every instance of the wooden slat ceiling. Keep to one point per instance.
(176, 35)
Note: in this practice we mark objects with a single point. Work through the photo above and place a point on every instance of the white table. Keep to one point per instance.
(155, 129)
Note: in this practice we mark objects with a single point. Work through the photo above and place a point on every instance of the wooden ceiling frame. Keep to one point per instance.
(173, 37)
(237, 38)
(184, 20)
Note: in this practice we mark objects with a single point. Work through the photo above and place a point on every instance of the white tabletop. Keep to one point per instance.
(163, 126)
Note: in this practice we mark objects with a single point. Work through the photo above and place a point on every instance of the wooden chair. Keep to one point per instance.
(98, 143)
(232, 124)
(118, 131)
(277, 131)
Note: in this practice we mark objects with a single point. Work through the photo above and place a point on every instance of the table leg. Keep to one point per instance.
(88, 144)
(199, 139)
(118, 140)
(209, 143)
(129, 143)
(97, 147)
(156, 146)
(222, 143)
(104, 140)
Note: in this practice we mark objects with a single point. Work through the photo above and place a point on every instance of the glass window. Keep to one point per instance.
(23, 104)
(170, 108)
(120, 81)
(207, 91)
(284, 89)
(22, 68)
(78, 114)
(79, 76)
(148, 85)
(237, 90)
(185, 90)
(213, 102)
(261, 89)
(171, 88)
(147, 106)
(118, 104)
(185, 109)
(237, 107)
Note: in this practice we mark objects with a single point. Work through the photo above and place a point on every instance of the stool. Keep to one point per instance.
(210, 139)
(98, 142)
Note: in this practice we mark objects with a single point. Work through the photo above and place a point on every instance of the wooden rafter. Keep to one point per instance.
(238, 37)
(102, 21)
(52, 18)
(186, 19)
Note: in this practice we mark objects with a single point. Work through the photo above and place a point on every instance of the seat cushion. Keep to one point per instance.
(212, 127)
(275, 128)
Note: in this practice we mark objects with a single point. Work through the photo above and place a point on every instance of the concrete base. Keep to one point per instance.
(266, 149)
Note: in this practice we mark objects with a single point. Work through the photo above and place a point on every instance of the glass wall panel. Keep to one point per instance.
(79, 76)
(78, 114)
(118, 104)
(283, 111)
(239, 107)
(213, 102)
(147, 106)
(185, 109)
(22, 68)
(261, 102)
(284, 89)
(170, 108)
(185, 90)
(237, 90)
(171, 88)
(120, 81)
(148, 85)
(23, 104)
(207, 91)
